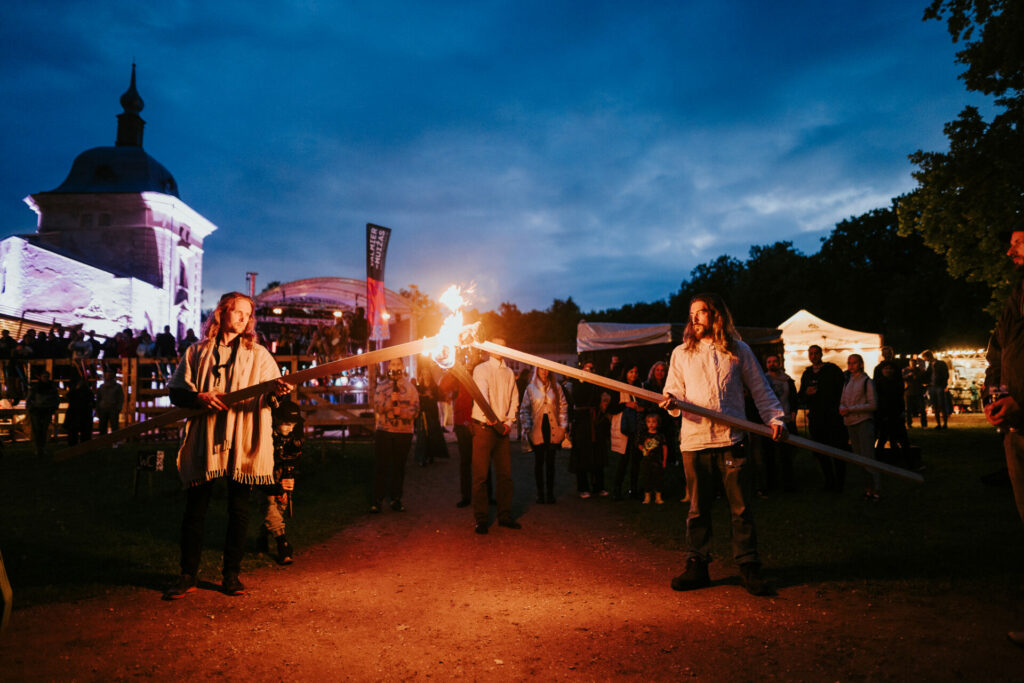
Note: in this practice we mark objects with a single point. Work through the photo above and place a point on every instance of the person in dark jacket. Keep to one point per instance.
(821, 387)
(78, 418)
(890, 419)
(42, 402)
(1004, 383)
(777, 453)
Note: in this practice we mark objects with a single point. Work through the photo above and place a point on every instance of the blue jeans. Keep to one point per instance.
(702, 468)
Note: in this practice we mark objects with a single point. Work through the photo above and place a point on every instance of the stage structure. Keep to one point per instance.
(320, 301)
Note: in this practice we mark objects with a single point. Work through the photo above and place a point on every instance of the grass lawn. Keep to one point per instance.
(952, 533)
(74, 529)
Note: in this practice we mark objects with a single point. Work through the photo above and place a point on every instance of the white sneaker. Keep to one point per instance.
(584, 494)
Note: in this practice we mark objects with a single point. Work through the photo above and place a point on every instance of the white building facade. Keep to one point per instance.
(115, 246)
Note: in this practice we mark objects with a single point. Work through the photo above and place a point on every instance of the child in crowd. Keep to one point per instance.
(288, 427)
(654, 452)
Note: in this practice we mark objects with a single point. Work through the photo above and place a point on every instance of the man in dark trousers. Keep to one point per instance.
(821, 387)
(1004, 383)
(233, 442)
(497, 383)
(713, 368)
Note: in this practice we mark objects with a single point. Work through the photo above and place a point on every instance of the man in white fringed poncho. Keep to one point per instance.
(235, 442)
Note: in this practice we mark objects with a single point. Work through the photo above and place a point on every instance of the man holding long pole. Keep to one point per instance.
(491, 440)
(710, 369)
(234, 442)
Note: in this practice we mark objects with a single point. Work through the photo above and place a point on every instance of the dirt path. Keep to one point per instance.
(574, 595)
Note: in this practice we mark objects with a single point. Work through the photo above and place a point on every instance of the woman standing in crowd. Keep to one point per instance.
(544, 416)
(857, 406)
(632, 412)
(585, 461)
(429, 439)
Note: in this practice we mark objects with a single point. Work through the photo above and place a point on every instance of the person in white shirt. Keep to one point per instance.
(711, 368)
(497, 383)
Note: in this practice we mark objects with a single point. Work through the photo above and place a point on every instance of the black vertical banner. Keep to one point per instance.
(377, 238)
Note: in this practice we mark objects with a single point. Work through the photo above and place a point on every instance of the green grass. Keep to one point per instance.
(75, 529)
(951, 533)
(72, 530)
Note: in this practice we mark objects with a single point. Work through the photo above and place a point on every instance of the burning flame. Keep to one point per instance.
(453, 332)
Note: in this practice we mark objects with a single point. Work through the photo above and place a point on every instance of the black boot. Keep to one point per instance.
(695, 576)
(750, 574)
(186, 584)
(231, 585)
(284, 550)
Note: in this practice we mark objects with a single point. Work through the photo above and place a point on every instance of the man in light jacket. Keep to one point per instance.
(497, 383)
(711, 368)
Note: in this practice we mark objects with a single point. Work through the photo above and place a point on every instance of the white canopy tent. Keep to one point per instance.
(613, 336)
(804, 329)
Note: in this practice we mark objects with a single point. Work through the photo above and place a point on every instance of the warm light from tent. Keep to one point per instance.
(278, 311)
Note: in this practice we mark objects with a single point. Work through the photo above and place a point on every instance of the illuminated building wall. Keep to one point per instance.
(115, 246)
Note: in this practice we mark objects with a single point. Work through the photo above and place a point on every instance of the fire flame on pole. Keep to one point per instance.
(453, 333)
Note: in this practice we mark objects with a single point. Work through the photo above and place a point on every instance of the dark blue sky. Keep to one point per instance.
(596, 150)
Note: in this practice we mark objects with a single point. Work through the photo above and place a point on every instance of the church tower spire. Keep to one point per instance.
(129, 123)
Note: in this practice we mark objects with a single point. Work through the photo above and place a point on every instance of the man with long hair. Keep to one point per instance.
(232, 442)
(711, 368)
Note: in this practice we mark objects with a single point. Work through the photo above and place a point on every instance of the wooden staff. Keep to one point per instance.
(175, 414)
(737, 422)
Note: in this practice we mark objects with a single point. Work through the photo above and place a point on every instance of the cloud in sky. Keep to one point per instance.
(542, 150)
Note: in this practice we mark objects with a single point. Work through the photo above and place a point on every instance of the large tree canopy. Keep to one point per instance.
(968, 196)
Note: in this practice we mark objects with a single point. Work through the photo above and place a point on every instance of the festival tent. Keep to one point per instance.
(804, 329)
(646, 343)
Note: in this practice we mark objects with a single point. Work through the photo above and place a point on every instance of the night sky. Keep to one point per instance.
(539, 149)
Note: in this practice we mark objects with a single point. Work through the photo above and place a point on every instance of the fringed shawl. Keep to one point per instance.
(237, 443)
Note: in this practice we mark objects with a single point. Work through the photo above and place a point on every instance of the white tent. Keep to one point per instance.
(804, 329)
(617, 336)
(610, 336)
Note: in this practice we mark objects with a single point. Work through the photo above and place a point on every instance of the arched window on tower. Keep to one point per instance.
(181, 295)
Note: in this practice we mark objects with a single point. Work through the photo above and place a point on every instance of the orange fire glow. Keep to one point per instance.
(453, 329)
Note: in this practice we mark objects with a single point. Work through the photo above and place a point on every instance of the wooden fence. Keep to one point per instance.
(327, 406)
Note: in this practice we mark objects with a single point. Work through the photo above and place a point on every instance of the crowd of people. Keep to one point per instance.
(255, 442)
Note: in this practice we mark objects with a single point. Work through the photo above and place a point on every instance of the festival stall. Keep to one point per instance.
(804, 329)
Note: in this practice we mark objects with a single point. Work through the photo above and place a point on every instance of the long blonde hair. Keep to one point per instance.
(213, 324)
(549, 383)
(723, 333)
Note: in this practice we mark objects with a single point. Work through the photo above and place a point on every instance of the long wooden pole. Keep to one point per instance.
(175, 414)
(653, 397)
(460, 373)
